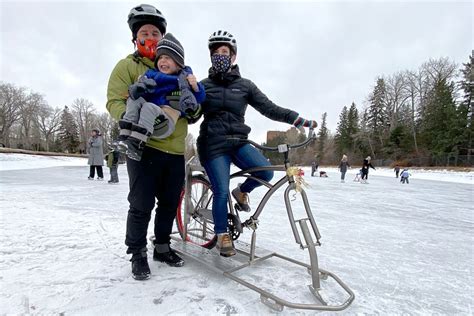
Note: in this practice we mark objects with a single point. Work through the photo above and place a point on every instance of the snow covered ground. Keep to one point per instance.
(402, 249)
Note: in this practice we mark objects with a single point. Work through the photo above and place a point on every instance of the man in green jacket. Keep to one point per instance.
(160, 173)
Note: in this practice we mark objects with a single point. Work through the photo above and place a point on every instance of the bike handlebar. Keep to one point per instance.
(311, 137)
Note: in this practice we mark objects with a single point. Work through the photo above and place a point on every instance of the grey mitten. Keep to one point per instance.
(187, 101)
(143, 86)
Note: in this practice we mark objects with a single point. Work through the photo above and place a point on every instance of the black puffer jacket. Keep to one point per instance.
(227, 97)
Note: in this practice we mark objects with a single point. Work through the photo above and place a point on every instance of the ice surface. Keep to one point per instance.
(403, 249)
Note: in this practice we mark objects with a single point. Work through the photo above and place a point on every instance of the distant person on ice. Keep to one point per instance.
(96, 155)
(343, 167)
(358, 175)
(314, 167)
(397, 171)
(365, 169)
(323, 174)
(404, 176)
(112, 159)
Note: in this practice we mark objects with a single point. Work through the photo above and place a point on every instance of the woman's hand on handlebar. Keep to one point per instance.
(302, 122)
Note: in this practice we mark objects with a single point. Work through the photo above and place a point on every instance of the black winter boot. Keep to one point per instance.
(140, 268)
(164, 253)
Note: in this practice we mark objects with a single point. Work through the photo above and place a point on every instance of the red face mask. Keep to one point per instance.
(147, 48)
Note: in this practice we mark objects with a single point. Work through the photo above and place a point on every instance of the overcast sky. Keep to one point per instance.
(312, 57)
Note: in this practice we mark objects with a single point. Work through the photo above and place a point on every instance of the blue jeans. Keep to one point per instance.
(343, 175)
(218, 170)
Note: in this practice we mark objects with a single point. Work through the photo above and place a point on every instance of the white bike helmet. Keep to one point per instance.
(222, 37)
(146, 14)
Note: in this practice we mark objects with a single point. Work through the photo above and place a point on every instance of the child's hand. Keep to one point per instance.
(143, 86)
(193, 82)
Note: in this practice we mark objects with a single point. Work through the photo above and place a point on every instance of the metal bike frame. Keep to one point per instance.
(305, 241)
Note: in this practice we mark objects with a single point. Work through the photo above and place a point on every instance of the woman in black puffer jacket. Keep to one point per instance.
(227, 97)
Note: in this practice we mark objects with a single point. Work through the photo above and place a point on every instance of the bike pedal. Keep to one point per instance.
(237, 207)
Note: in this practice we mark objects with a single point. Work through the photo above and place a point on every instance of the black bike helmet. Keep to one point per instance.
(222, 37)
(145, 14)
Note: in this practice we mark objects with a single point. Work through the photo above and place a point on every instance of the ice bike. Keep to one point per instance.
(195, 227)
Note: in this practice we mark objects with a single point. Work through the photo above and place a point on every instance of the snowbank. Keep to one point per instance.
(22, 161)
(422, 174)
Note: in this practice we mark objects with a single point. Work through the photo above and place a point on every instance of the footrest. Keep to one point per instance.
(242, 246)
(210, 257)
(230, 266)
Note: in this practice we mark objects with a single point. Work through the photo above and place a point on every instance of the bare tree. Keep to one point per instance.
(439, 70)
(364, 133)
(396, 97)
(83, 111)
(48, 122)
(11, 99)
(418, 85)
(28, 114)
(105, 123)
(417, 88)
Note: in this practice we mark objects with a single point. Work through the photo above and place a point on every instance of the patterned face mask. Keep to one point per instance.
(147, 48)
(221, 63)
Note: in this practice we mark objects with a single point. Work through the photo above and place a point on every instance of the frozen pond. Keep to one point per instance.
(402, 249)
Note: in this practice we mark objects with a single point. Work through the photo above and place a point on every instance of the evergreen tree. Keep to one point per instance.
(322, 136)
(377, 117)
(364, 137)
(440, 124)
(399, 143)
(465, 111)
(68, 132)
(342, 138)
(352, 126)
(347, 134)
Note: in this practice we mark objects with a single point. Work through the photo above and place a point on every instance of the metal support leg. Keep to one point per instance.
(313, 257)
(289, 210)
(310, 217)
(252, 246)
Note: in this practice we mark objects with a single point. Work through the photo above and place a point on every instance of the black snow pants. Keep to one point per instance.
(100, 172)
(157, 179)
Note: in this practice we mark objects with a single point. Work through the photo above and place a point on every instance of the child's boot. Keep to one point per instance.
(125, 131)
(136, 142)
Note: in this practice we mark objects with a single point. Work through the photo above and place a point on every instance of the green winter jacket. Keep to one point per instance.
(125, 73)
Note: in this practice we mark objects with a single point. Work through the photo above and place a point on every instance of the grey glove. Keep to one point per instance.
(187, 101)
(194, 116)
(143, 86)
